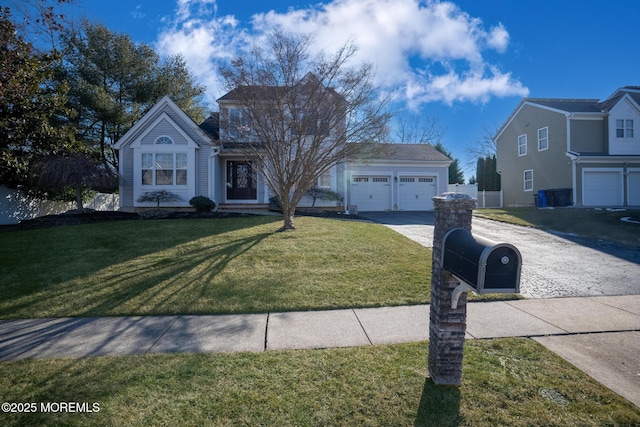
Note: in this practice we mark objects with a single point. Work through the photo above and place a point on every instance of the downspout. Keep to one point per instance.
(345, 184)
(574, 161)
(568, 116)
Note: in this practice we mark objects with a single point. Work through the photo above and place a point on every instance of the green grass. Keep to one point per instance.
(375, 385)
(595, 224)
(235, 265)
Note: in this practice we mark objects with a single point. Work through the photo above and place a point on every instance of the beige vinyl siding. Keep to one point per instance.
(551, 168)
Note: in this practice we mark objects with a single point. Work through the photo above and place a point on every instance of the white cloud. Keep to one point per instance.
(203, 39)
(137, 12)
(425, 51)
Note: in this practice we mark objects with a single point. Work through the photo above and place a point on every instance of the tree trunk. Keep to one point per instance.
(287, 215)
(79, 195)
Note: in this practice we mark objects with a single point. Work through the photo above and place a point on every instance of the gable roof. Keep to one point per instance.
(174, 113)
(403, 152)
(570, 106)
(632, 91)
(248, 92)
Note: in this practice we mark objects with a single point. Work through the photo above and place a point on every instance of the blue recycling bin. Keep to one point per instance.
(542, 198)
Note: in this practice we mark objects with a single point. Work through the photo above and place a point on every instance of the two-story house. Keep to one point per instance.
(589, 146)
(166, 150)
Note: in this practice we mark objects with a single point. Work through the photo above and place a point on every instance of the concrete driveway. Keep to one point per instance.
(554, 265)
(417, 226)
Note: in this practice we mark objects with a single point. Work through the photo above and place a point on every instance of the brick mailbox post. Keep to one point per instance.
(461, 262)
(446, 325)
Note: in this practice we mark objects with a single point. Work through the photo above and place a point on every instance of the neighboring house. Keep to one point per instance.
(166, 150)
(589, 146)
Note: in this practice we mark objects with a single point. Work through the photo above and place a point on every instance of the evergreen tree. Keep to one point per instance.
(31, 109)
(487, 174)
(456, 176)
(114, 81)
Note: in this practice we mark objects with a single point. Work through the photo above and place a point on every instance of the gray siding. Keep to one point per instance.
(588, 136)
(126, 192)
(164, 128)
(202, 168)
(220, 181)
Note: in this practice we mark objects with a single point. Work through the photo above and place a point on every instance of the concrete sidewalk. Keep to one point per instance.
(599, 335)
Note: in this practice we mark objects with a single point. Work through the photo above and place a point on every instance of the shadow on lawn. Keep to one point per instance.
(439, 406)
(136, 277)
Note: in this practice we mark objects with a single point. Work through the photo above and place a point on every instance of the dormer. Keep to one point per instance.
(623, 121)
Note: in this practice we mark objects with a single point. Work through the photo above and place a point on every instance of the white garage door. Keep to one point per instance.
(633, 184)
(371, 193)
(415, 193)
(602, 188)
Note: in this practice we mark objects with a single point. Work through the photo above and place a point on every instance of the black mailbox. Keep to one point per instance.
(487, 266)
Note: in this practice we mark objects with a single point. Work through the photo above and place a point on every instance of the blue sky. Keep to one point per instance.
(466, 62)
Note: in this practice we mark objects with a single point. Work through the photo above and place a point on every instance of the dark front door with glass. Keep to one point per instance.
(241, 180)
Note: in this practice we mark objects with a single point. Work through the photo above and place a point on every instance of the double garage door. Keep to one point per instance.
(375, 193)
(606, 187)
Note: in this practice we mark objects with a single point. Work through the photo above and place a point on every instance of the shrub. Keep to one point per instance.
(323, 194)
(274, 204)
(159, 196)
(202, 203)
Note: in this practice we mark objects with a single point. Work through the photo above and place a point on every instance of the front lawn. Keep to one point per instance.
(198, 266)
(589, 223)
(506, 382)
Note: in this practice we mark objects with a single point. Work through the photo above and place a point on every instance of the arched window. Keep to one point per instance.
(164, 140)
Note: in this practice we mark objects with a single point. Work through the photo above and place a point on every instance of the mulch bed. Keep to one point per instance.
(88, 216)
(91, 217)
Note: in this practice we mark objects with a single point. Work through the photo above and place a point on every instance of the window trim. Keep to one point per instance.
(174, 169)
(525, 180)
(522, 137)
(624, 128)
(163, 137)
(324, 180)
(545, 139)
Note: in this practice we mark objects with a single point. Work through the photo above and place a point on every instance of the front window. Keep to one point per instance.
(543, 139)
(239, 123)
(624, 128)
(528, 180)
(522, 145)
(325, 180)
(164, 168)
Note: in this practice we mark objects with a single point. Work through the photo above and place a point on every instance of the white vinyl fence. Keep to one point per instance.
(485, 199)
(15, 206)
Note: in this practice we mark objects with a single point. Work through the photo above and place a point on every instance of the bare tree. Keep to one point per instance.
(485, 146)
(41, 21)
(414, 129)
(298, 116)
